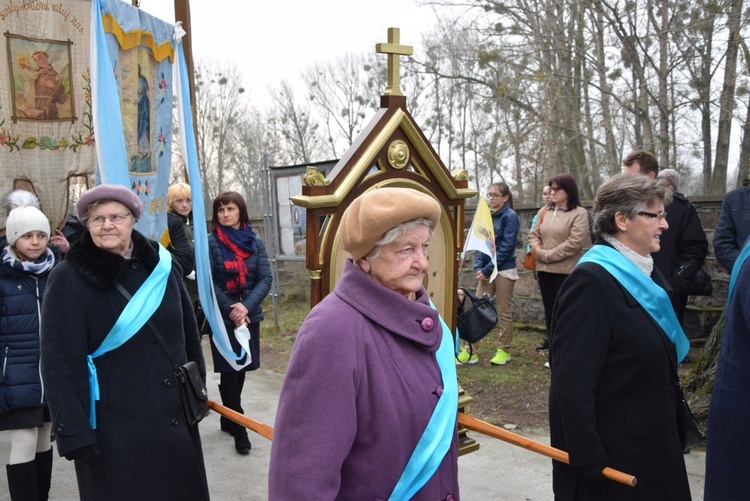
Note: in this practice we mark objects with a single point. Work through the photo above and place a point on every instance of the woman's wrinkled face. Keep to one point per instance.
(401, 266)
(31, 246)
(643, 232)
(111, 226)
(229, 215)
(182, 206)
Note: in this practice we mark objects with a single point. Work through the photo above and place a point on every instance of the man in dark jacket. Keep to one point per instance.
(684, 245)
(733, 228)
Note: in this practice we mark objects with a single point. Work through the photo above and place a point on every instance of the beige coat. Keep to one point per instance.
(562, 236)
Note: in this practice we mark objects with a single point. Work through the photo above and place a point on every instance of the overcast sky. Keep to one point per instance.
(272, 41)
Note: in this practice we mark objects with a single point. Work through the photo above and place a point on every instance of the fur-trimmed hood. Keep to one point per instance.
(102, 268)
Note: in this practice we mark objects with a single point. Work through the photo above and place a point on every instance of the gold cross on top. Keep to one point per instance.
(394, 49)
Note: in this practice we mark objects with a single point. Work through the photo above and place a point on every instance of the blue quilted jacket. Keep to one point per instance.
(20, 307)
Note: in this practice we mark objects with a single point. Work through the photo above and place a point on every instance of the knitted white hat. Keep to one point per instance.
(24, 216)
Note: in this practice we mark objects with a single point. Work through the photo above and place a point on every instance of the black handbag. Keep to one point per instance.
(478, 320)
(193, 392)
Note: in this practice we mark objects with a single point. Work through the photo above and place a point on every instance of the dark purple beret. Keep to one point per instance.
(114, 192)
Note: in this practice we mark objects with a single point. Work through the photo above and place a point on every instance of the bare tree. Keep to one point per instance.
(219, 106)
(296, 130)
(340, 93)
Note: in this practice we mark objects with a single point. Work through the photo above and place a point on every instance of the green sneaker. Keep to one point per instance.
(464, 358)
(501, 357)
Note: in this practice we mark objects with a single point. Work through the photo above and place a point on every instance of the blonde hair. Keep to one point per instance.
(177, 190)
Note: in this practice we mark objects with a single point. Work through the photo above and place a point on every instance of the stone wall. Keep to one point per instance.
(701, 315)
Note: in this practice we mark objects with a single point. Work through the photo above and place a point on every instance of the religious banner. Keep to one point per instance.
(139, 55)
(46, 134)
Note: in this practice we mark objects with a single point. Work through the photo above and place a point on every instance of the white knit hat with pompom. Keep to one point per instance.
(24, 216)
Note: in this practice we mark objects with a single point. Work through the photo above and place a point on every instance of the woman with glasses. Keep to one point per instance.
(116, 319)
(557, 241)
(614, 347)
(506, 224)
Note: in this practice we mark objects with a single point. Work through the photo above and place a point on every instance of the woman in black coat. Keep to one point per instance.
(136, 444)
(242, 279)
(612, 395)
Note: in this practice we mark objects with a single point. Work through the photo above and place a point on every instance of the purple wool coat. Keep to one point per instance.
(360, 388)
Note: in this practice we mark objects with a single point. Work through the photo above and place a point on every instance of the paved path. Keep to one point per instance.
(498, 471)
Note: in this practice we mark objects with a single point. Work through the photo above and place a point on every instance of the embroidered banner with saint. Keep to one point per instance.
(46, 134)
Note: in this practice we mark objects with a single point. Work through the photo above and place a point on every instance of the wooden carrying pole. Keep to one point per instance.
(493, 431)
(464, 420)
(261, 429)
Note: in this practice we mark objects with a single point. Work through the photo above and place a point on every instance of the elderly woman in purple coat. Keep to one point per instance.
(368, 405)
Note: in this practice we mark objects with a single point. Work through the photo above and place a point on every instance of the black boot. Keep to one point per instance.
(241, 442)
(43, 474)
(225, 424)
(22, 481)
(544, 346)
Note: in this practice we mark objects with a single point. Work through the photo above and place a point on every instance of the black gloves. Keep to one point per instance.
(85, 454)
(592, 472)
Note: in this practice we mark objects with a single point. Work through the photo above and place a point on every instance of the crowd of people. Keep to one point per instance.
(387, 403)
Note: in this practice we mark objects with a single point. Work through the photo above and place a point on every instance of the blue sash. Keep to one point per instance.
(437, 437)
(736, 268)
(649, 295)
(136, 313)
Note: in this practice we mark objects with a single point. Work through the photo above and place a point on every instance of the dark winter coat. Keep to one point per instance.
(147, 450)
(683, 247)
(505, 223)
(21, 294)
(733, 228)
(728, 435)
(179, 245)
(251, 294)
(612, 399)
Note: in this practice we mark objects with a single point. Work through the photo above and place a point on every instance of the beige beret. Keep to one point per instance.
(374, 213)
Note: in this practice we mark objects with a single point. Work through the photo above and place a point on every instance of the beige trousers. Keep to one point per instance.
(502, 289)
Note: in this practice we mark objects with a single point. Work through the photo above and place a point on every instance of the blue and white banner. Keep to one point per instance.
(131, 64)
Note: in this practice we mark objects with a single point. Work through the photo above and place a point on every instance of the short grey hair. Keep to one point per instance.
(397, 233)
(671, 176)
(626, 193)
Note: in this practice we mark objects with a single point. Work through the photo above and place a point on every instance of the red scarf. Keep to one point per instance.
(234, 263)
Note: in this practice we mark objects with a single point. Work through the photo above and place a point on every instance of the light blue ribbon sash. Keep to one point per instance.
(136, 313)
(649, 295)
(437, 437)
(736, 269)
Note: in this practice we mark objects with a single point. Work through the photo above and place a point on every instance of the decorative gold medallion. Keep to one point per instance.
(398, 154)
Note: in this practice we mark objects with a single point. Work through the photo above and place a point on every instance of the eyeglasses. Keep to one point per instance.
(659, 216)
(116, 219)
(554, 188)
(494, 195)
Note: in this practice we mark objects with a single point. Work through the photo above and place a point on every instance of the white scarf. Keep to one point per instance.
(643, 263)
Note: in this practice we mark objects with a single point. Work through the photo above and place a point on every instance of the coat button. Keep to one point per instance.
(439, 391)
(167, 382)
(427, 324)
(450, 497)
(175, 422)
